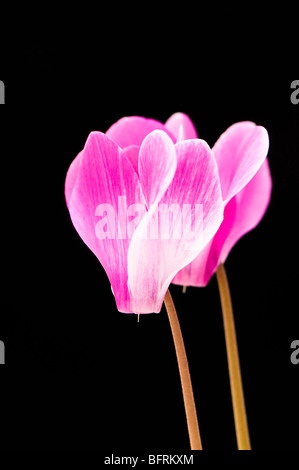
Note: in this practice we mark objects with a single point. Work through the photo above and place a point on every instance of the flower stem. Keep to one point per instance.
(190, 409)
(235, 378)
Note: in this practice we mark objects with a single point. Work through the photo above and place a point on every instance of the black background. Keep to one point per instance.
(79, 374)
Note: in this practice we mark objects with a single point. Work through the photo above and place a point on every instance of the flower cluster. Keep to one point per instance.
(149, 168)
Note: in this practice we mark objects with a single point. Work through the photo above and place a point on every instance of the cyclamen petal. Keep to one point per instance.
(181, 127)
(103, 176)
(250, 206)
(200, 270)
(240, 152)
(132, 154)
(156, 165)
(246, 189)
(196, 182)
(194, 273)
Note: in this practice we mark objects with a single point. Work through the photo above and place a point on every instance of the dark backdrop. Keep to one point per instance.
(78, 373)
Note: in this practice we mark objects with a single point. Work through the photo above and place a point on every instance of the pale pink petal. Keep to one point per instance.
(181, 127)
(156, 165)
(250, 206)
(132, 130)
(240, 152)
(196, 182)
(104, 175)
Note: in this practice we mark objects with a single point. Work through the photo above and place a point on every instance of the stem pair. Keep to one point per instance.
(239, 410)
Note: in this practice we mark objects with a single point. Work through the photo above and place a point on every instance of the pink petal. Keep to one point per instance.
(104, 175)
(241, 214)
(250, 206)
(153, 262)
(200, 270)
(132, 154)
(132, 130)
(181, 127)
(156, 166)
(194, 273)
(240, 152)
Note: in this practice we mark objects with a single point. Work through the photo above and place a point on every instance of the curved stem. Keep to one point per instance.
(190, 409)
(235, 378)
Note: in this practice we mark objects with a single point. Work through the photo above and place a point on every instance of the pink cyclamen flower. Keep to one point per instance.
(246, 186)
(135, 167)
